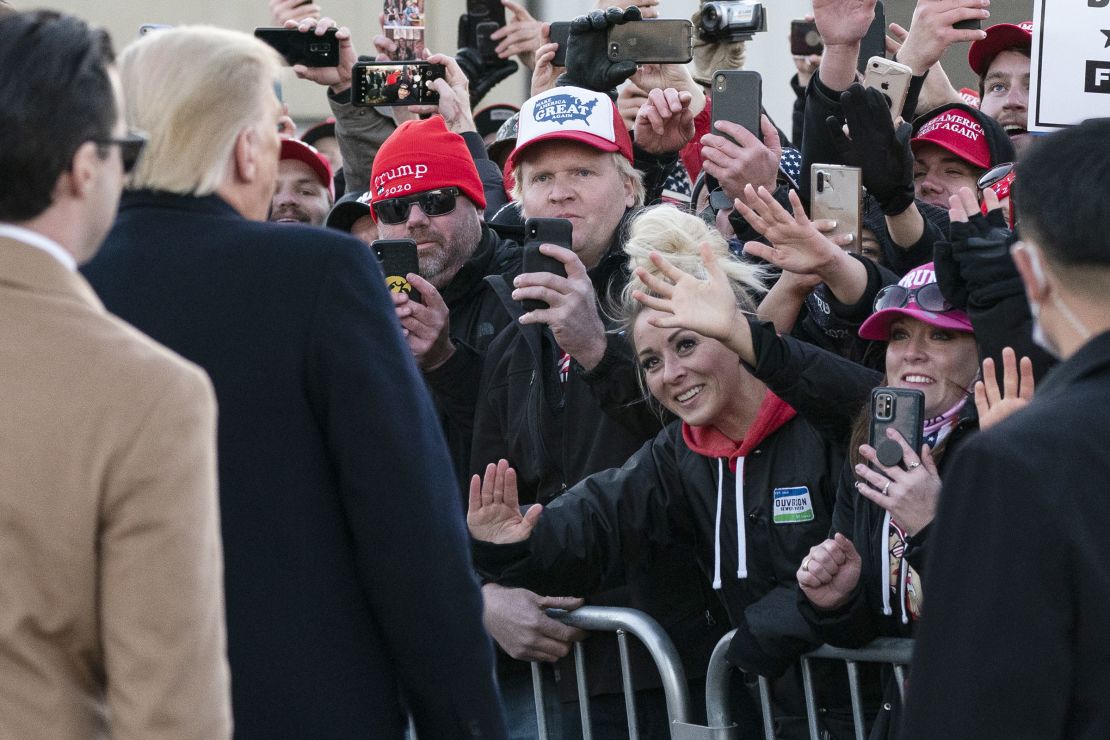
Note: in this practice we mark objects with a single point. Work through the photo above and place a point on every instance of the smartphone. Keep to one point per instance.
(891, 79)
(652, 41)
(896, 408)
(537, 231)
(560, 34)
(874, 42)
(302, 48)
(971, 24)
(482, 18)
(836, 192)
(738, 97)
(805, 39)
(395, 83)
(398, 258)
(148, 27)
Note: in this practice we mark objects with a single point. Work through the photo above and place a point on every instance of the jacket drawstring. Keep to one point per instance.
(717, 528)
(885, 541)
(741, 531)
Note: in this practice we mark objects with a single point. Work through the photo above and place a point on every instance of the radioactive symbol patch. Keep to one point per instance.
(398, 284)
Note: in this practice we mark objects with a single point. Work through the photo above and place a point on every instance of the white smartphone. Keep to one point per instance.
(891, 79)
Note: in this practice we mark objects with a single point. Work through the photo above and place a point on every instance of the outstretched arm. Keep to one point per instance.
(494, 513)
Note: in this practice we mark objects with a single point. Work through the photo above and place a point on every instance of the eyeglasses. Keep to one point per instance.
(432, 203)
(130, 147)
(928, 297)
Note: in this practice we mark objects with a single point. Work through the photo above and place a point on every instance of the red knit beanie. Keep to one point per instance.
(423, 155)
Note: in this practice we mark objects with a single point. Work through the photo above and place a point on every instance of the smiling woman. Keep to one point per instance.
(738, 475)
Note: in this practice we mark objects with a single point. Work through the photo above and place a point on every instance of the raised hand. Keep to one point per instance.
(843, 22)
(932, 32)
(520, 36)
(545, 73)
(283, 11)
(797, 243)
(648, 8)
(707, 307)
(338, 78)
(572, 306)
(742, 159)
(494, 509)
(425, 325)
(665, 123)
(830, 573)
(1017, 389)
(588, 62)
(910, 494)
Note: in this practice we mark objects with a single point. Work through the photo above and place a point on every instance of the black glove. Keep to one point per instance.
(482, 76)
(975, 257)
(588, 62)
(882, 153)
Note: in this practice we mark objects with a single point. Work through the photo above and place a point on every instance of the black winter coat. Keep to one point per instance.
(345, 563)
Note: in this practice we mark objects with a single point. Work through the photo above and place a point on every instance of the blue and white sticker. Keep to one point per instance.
(792, 505)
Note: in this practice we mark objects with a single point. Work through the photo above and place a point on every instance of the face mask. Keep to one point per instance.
(1039, 337)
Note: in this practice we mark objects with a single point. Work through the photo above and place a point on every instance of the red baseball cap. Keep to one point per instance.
(571, 114)
(959, 133)
(1000, 37)
(302, 152)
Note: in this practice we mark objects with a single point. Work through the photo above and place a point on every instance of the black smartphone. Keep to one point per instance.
(874, 42)
(395, 83)
(560, 34)
(652, 41)
(302, 48)
(537, 231)
(805, 39)
(398, 258)
(482, 18)
(738, 97)
(896, 408)
(971, 24)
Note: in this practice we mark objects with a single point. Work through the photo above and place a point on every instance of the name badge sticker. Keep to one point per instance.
(792, 505)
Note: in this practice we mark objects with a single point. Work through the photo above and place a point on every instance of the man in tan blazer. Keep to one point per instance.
(111, 600)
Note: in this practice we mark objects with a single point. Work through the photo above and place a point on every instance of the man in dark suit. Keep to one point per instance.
(1013, 635)
(350, 595)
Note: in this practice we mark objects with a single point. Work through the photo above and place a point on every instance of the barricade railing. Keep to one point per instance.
(720, 723)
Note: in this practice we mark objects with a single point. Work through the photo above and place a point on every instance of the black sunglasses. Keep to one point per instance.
(928, 297)
(432, 203)
(995, 174)
(130, 147)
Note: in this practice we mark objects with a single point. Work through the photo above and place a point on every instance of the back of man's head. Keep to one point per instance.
(193, 89)
(1062, 201)
(55, 95)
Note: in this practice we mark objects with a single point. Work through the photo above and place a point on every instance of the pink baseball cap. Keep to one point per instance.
(571, 114)
(959, 133)
(902, 299)
(1000, 37)
(302, 152)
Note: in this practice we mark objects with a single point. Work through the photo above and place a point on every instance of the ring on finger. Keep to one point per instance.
(886, 487)
(805, 565)
(914, 465)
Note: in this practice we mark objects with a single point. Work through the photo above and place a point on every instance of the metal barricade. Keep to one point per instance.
(720, 724)
(626, 622)
(894, 651)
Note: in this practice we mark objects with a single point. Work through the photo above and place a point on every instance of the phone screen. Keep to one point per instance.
(405, 26)
(395, 83)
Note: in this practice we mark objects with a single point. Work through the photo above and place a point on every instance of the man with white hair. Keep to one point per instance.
(350, 596)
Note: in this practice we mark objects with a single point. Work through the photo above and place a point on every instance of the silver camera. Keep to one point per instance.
(730, 20)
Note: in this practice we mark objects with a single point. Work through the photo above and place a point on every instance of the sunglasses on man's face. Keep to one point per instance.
(432, 203)
(130, 147)
(928, 297)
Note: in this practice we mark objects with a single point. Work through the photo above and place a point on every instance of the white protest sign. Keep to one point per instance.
(1070, 67)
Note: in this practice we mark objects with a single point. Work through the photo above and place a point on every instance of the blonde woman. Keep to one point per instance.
(738, 475)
